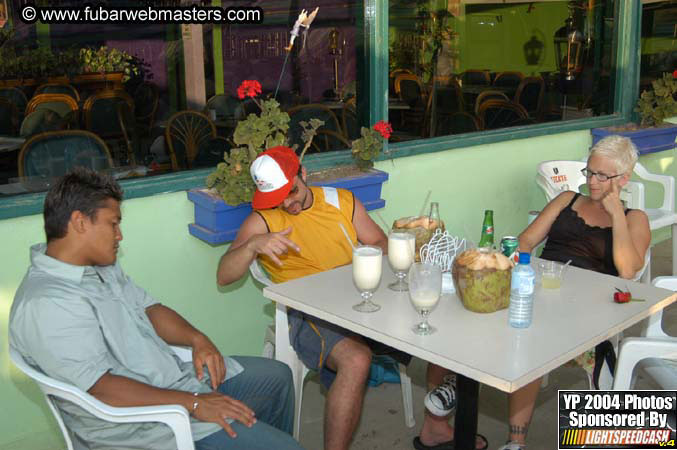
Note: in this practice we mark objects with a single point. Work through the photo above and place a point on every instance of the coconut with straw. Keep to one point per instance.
(420, 226)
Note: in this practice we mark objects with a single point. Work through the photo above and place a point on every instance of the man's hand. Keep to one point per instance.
(273, 244)
(612, 201)
(205, 352)
(217, 408)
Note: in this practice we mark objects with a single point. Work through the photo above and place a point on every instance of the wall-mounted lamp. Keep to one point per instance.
(569, 44)
(336, 50)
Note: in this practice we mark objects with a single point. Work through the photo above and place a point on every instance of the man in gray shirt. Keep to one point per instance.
(79, 319)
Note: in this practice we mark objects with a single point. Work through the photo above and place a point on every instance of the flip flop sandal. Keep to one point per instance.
(449, 445)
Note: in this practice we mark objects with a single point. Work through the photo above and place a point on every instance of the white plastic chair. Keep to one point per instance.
(285, 352)
(655, 354)
(554, 177)
(665, 215)
(174, 416)
(557, 176)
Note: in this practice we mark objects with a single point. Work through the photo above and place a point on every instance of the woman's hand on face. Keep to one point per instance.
(612, 200)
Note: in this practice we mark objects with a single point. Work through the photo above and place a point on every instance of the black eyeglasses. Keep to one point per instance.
(600, 176)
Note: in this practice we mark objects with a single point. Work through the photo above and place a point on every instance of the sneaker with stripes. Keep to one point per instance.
(441, 401)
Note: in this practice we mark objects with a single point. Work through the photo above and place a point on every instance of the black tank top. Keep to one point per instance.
(588, 247)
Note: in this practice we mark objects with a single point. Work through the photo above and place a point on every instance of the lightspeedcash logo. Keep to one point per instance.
(617, 419)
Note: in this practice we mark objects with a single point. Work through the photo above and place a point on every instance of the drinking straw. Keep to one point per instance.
(345, 233)
(383, 221)
(425, 203)
(564, 269)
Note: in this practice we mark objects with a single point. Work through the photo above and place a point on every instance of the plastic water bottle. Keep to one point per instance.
(521, 293)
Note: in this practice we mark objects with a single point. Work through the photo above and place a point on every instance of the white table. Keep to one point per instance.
(481, 347)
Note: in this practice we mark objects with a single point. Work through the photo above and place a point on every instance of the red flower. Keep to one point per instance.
(674, 74)
(249, 88)
(384, 128)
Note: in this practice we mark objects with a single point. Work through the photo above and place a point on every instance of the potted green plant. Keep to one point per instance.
(109, 64)
(654, 106)
(221, 209)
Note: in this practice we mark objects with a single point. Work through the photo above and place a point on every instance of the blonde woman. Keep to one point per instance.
(596, 232)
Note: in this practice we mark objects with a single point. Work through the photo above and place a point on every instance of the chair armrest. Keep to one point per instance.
(258, 273)
(667, 181)
(633, 194)
(633, 350)
(653, 327)
(174, 416)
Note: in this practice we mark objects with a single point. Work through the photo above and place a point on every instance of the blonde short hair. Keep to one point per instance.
(619, 149)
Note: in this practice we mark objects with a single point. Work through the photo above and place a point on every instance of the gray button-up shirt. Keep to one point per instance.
(75, 323)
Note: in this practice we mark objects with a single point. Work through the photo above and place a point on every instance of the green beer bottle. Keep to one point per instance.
(487, 239)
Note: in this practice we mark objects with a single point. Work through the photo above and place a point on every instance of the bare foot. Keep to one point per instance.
(437, 430)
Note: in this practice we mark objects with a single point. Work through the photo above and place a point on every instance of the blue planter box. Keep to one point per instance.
(218, 223)
(648, 140)
(215, 221)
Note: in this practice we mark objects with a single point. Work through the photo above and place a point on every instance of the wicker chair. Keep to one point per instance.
(489, 95)
(510, 79)
(448, 99)
(58, 88)
(107, 114)
(328, 141)
(476, 77)
(501, 114)
(530, 94)
(44, 119)
(54, 153)
(186, 134)
(63, 104)
(146, 100)
(301, 113)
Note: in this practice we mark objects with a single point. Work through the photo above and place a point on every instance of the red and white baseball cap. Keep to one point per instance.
(273, 172)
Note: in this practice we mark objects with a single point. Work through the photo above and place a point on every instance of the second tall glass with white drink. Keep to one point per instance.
(401, 254)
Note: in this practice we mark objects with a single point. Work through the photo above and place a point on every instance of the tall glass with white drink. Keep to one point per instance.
(367, 263)
(425, 287)
(401, 253)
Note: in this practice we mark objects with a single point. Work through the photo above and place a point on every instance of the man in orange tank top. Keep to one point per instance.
(294, 231)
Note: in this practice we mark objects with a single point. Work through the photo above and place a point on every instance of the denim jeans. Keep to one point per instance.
(266, 387)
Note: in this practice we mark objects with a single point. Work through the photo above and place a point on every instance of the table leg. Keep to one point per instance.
(465, 425)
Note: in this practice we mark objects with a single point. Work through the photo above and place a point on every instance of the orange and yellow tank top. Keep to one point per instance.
(316, 231)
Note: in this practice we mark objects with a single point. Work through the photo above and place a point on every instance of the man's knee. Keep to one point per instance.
(279, 371)
(352, 355)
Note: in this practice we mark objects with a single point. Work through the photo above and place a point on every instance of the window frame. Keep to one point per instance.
(629, 16)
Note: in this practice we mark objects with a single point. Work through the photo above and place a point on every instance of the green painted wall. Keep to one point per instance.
(494, 38)
(160, 255)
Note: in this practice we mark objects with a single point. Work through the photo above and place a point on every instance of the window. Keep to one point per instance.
(433, 47)
(172, 104)
(463, 66)
(659, 41)
(96, 95)
(322, 77)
